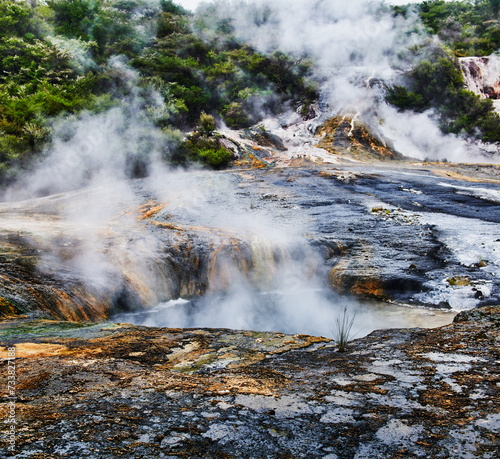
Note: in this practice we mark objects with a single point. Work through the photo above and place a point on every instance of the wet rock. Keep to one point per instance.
(371, 231)
(25, 288)
(265, 138)
(345, 135)
(110, 390)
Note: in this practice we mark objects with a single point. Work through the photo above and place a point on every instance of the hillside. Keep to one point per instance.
(65, 59)
(153, 68)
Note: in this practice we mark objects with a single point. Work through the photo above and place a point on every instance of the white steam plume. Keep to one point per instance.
(97, 154)
(357, 47)
(89, 149)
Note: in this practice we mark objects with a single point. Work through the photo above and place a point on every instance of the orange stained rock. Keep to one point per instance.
(149, 210)
(372, 288)
(251, 161)
(243, 384)
(299, 161)
(221, 265)
(169, 226)
(336, 274)
(345, 136)
(32, 350)
(7, 309)
(256, 162)
(462, 175)
(74, 306)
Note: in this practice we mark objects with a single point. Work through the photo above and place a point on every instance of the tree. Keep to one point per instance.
(495, 7)
(74, 17)
(168, 6)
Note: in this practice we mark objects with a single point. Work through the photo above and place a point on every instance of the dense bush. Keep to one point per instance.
(469, 28)
(62, 57)
(55, 61)
(437, 83)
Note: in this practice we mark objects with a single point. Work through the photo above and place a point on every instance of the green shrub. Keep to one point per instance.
(468, 28)
(204, 150)
(216, 158)
(235, 116)
(54, 57)
(437, 82)
(206, 126)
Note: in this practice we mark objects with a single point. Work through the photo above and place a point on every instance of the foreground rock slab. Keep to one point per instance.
(115, 390)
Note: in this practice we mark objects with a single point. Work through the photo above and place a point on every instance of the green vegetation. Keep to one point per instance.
(468, 28)
(437, 82)
(56, 60)
(70, 58)
(204, 147)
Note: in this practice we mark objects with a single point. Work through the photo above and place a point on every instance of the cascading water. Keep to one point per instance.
(261, 273)
(260, 248)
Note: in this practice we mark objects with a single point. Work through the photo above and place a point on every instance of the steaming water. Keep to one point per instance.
(312, 312)
(297, 213)
(283, 208)
(350, 45)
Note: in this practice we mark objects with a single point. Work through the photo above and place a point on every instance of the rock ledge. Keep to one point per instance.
(116, 390)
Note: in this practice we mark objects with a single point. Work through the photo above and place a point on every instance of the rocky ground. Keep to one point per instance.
(394, 231)
(112, 390)
(319, 219)
(384, 231)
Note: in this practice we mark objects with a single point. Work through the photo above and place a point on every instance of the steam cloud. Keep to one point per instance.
(357, 47)
(353, 45)
(90, 149)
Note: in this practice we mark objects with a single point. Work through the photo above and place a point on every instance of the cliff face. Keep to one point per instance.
(107, 391)
(482, 76)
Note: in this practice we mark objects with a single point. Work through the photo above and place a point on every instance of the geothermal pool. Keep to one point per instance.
(282, 249)
(308, 312)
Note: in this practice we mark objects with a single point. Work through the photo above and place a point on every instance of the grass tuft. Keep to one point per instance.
(342, 329)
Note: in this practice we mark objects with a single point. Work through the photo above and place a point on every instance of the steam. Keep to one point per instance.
(91, 149)
(286, 295)
(353, 44)
(78, 50)
(338, 35)
(418, 136)
(95, 156)
(357, 48)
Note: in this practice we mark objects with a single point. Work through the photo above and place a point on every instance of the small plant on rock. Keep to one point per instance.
(342, 329)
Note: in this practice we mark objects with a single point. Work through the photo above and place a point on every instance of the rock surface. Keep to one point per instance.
(111, 390)
(481, 75)
(346, 136)
(369, 230)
